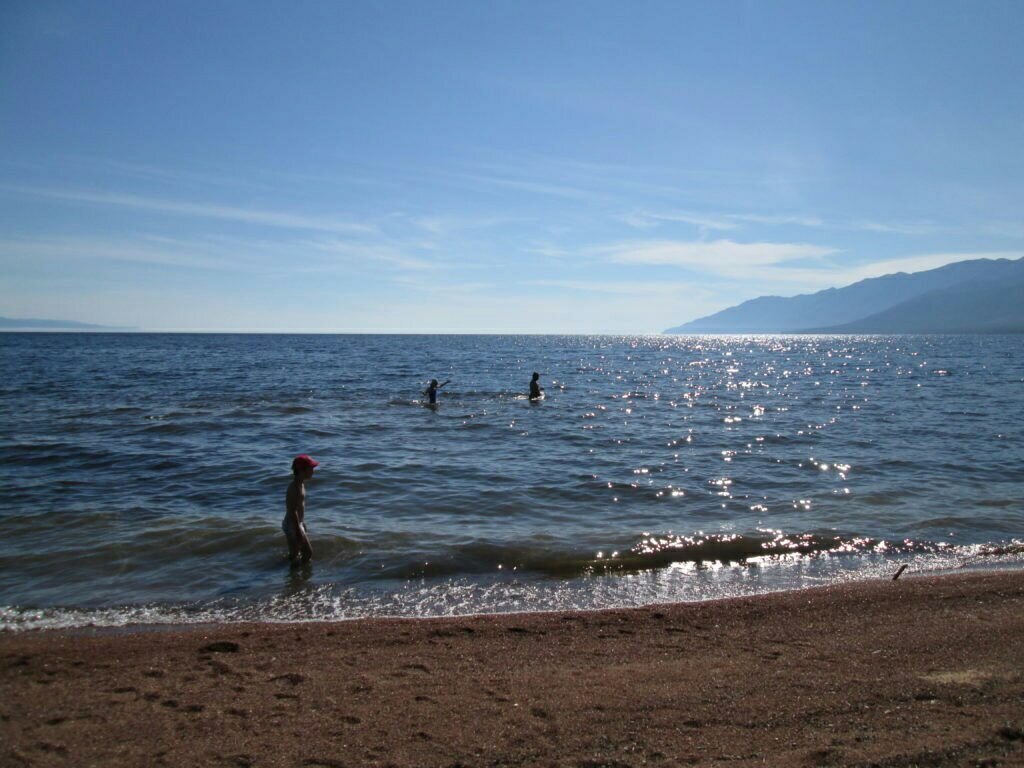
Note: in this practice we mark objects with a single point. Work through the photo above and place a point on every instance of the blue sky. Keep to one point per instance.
(494, 167)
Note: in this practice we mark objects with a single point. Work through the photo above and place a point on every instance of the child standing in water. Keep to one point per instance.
(536, 390)
(431, 391)
(294, 523)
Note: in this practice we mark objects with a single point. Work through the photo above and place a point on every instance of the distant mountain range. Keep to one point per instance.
(36, 324)
(980, 296)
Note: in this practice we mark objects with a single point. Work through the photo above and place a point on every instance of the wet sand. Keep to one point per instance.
(922, 671)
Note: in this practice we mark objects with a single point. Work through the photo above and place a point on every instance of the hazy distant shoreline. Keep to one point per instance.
(606, 334)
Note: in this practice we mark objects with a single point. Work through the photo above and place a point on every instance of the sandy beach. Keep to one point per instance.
(922, 671)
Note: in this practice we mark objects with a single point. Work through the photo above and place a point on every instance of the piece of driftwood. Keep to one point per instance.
(900, 571)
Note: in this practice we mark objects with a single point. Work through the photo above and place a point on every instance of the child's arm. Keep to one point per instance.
(447, 381)
(296, 505)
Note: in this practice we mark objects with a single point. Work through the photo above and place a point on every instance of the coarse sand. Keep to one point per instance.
(924, 671)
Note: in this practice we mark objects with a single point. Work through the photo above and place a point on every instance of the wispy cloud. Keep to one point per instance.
(360, 253)
(718, 256)
(617, 287)
(549, 250)
(219, 253)
(1014, 229)
(779, 220)
(646, 220)
(719, 221)
(136, 251)
(446, 225)
(267, 218)
(787, 267)
(894, 228)
(535, 186)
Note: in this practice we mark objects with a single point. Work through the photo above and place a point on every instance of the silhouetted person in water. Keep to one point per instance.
(536, 393)
(431, 391)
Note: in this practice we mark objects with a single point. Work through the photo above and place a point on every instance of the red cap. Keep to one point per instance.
(303, 461)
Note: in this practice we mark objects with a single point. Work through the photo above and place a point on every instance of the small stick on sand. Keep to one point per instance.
(901, 570)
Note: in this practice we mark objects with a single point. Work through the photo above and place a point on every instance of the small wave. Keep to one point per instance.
(650, 553)
(290, 410)
(169, 429)
(503, 592)
(94, 413)
(1000, 550)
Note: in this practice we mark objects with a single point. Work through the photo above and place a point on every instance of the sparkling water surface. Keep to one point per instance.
(144, 474)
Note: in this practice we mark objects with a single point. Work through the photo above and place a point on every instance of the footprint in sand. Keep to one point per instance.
(289, 677)
(59, 749)
(242, 761)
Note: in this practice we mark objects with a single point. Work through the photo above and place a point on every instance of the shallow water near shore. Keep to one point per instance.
(144, 474)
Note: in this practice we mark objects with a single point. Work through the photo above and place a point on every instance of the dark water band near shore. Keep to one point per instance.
(717, 570)
(144, 474)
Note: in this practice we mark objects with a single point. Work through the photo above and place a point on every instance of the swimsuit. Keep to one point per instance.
(294, 540)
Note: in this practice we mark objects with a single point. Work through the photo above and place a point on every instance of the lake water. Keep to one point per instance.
(144, 474)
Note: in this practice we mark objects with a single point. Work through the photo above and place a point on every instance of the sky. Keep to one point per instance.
(479, 167)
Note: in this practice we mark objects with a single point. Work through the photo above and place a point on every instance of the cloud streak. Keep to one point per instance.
(718, 256)
(724, 222)
(266, 218)
(218, 253)
(98, 249)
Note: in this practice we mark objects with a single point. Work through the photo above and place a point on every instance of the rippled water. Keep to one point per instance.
(144, 475)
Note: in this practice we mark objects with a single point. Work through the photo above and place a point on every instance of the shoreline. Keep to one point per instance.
(927, 669)
(88, 621)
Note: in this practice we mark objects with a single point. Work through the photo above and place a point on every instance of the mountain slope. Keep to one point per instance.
(842, 306)
(988, 307)
(35, 324)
